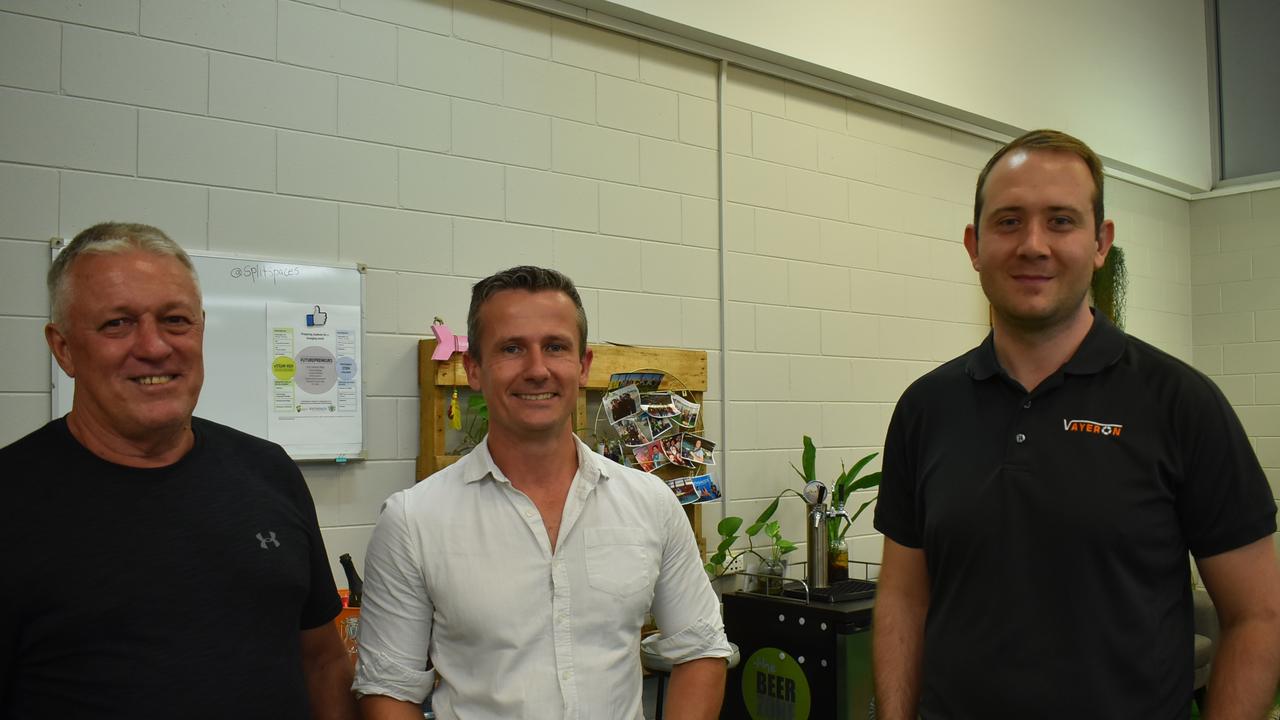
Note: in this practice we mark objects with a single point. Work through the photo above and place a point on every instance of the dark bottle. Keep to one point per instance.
(354, 584)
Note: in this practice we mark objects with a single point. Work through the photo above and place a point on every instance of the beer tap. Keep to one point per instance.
(815, 494)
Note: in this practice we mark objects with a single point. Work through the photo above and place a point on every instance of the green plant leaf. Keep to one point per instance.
(793, 467)
(785, 546)
(773, 529)
(769, 511)
(710, 569)
(866, 482)
(754, 529)
(729, 525)
(725, 543)
(475, 401)
(857, 467)
(717, 559)
(840, 488)
(854, 516)
(808, 459)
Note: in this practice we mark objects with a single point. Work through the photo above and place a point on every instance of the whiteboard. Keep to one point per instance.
(238, 379)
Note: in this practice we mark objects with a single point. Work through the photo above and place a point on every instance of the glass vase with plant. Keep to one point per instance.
(725, 557)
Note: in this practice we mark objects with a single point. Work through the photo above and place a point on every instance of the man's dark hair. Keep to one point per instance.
(1054, 140)
(522, 277)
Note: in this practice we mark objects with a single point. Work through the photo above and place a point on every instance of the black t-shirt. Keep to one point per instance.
(175, 592)
(1056, 526)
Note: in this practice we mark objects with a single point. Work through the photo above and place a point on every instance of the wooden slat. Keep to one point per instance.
(428, 409)
(688, 366)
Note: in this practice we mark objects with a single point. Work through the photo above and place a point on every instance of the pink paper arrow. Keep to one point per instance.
(446, 342)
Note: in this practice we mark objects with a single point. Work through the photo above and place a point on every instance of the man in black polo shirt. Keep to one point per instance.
(1041, 493)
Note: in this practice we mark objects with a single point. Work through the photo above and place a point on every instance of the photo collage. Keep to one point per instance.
(655, 429)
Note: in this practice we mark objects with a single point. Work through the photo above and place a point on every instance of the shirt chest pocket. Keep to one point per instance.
(619, 561)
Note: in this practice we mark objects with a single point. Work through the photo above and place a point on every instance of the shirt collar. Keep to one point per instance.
(1101, 347)
(479, 465)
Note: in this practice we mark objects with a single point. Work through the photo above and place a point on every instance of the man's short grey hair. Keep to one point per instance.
(522, 277)
(108, 238)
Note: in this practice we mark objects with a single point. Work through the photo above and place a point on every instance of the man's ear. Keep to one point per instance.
(586, 367)
(61, 351)
(472, 366)
(1106, 237)
(971, 244)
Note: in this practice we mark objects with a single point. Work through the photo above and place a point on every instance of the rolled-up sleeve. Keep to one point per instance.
(684, 605)
(395, 617)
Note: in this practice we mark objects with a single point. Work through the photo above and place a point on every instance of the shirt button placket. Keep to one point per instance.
(1021, 438)
(562, 631)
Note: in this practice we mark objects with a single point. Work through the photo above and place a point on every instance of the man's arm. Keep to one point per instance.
(688, 615)
(328, 672)
(1245, 586)
(381, 707)
(697, 689)
(897, 647)
(395, 621)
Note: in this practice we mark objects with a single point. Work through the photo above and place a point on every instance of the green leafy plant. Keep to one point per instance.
(846, 483)
(1110, 286)
(475, 423)
(724, 556)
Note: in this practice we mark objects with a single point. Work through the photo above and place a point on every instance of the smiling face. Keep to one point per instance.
(1036, 247)
(132, 336)
(531, 366)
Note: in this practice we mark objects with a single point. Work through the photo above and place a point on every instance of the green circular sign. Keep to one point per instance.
(774, 686)
(283, 368)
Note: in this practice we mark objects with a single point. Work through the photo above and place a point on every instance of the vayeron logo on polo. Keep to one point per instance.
(1092, 426)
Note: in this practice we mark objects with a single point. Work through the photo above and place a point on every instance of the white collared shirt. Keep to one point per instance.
(460, 571)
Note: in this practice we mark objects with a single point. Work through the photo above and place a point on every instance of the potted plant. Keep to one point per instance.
(719, 564)
(1110, 286)
(846, 483)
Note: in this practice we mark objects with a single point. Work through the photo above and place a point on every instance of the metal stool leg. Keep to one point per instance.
(662, 686)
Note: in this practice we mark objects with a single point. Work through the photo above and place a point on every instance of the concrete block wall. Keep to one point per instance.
(438, 141)
(1235, 299)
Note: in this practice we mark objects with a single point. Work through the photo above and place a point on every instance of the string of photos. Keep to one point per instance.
(654, 429)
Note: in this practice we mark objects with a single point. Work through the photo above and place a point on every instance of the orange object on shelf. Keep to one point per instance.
(348, 624)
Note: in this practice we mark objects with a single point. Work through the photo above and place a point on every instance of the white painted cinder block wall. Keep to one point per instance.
(437, 142)
(1235, 298)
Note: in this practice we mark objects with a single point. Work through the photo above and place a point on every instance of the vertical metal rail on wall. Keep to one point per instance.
(721, 79)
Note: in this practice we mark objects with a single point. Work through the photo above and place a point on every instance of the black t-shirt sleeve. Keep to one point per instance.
(323, 603)
(896, 507)
(1225, 501)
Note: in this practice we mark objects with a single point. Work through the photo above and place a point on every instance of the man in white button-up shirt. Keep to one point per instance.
(520, 576)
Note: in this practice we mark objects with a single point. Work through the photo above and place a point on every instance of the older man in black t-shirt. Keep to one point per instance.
(158, 565)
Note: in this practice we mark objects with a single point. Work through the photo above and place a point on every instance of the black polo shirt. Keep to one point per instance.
(1056, 526)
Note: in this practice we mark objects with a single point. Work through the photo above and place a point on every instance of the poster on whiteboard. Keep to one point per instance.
(314, 374)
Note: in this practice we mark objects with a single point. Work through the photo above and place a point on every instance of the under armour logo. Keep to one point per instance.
(264, 540)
